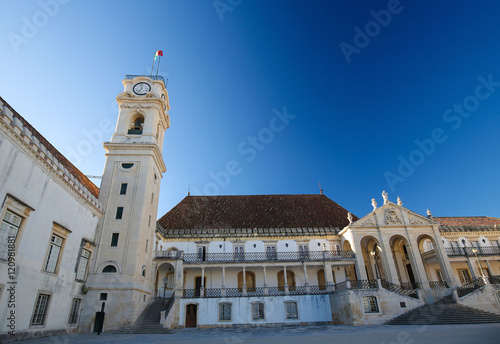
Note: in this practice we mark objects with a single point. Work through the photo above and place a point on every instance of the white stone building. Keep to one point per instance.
(68, 249)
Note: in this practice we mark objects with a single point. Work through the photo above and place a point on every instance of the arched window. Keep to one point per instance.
(290, 279)
(109, 269)
(136, 125)
(143, 273)
(370, 304)
(249, 280)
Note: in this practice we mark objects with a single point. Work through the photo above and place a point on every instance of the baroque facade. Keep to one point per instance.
(72, 254)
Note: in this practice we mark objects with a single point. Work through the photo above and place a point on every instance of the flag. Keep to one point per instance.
(158, 53)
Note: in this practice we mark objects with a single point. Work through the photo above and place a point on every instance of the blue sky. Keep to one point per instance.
(360, 96)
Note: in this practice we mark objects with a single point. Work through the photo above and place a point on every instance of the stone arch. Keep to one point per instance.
(249, 280)
(165, 270)
(433, 261)
(290, 279)
(136, 123)
(373, 258)
(403, 260)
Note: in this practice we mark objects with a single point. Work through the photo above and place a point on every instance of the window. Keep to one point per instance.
(202, 253)
(40, 311)
(114, 239)
(82, 265)
(225, 311)
(271, 252)
(75, 308)
(103, 296)
(239, 253)
(454, 246)
(109, 269)
(439, 275)
(146, 249)
(303, 251)
(119, 213)
(143, 273)
(127, 165)
(123, 189)
(370, 304)
(53, 254)
(152, 197)
(258, 311)
(291, 310)
(464, 276)
(149, 221)
(8, 232)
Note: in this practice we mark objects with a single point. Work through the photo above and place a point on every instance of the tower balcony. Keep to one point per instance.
(153, 77)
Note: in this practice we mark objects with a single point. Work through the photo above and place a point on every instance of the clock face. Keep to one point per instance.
(141, 88)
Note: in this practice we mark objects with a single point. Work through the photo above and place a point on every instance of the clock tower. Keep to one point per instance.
(120, 275)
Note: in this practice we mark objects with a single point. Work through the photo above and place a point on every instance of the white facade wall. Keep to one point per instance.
(311, 309)
(39, 183)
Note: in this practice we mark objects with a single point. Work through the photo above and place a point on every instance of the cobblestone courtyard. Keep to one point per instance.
(442, 334)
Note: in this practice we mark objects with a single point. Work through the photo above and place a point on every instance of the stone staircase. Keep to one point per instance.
(148, 321)
(445, 312)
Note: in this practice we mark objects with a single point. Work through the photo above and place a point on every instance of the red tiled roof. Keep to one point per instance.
(467, 221)
(255, 211)
(94, 190)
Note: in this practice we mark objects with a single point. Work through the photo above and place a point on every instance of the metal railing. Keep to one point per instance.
(470, 287)
(438, 285)
(250, 292)
(168, 254)
(402, 290)
(169, 304)
(318, 289)
(494, 279)
(481, 251)
(364, 284)
(267, 256)
(154, 77)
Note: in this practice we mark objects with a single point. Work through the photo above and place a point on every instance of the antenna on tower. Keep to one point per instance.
(189, 189)
(320, 189)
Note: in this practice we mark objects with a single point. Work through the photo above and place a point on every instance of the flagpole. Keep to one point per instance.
(154, 58)
(158, 66)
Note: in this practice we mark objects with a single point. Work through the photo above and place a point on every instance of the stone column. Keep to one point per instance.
(416, 263)
(444, 262)
(287, 290)
(306, 284)
(327, 268)
(266, 290)
(202, 288)
(244, 282)
(223, 289)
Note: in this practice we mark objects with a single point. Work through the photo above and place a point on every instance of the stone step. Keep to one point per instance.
(442, 313)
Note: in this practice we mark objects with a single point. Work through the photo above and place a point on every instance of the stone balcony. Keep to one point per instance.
(255, 257)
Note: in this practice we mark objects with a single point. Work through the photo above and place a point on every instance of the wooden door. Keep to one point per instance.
(191, 314)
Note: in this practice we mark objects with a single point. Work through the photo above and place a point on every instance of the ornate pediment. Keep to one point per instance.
(391, 217)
